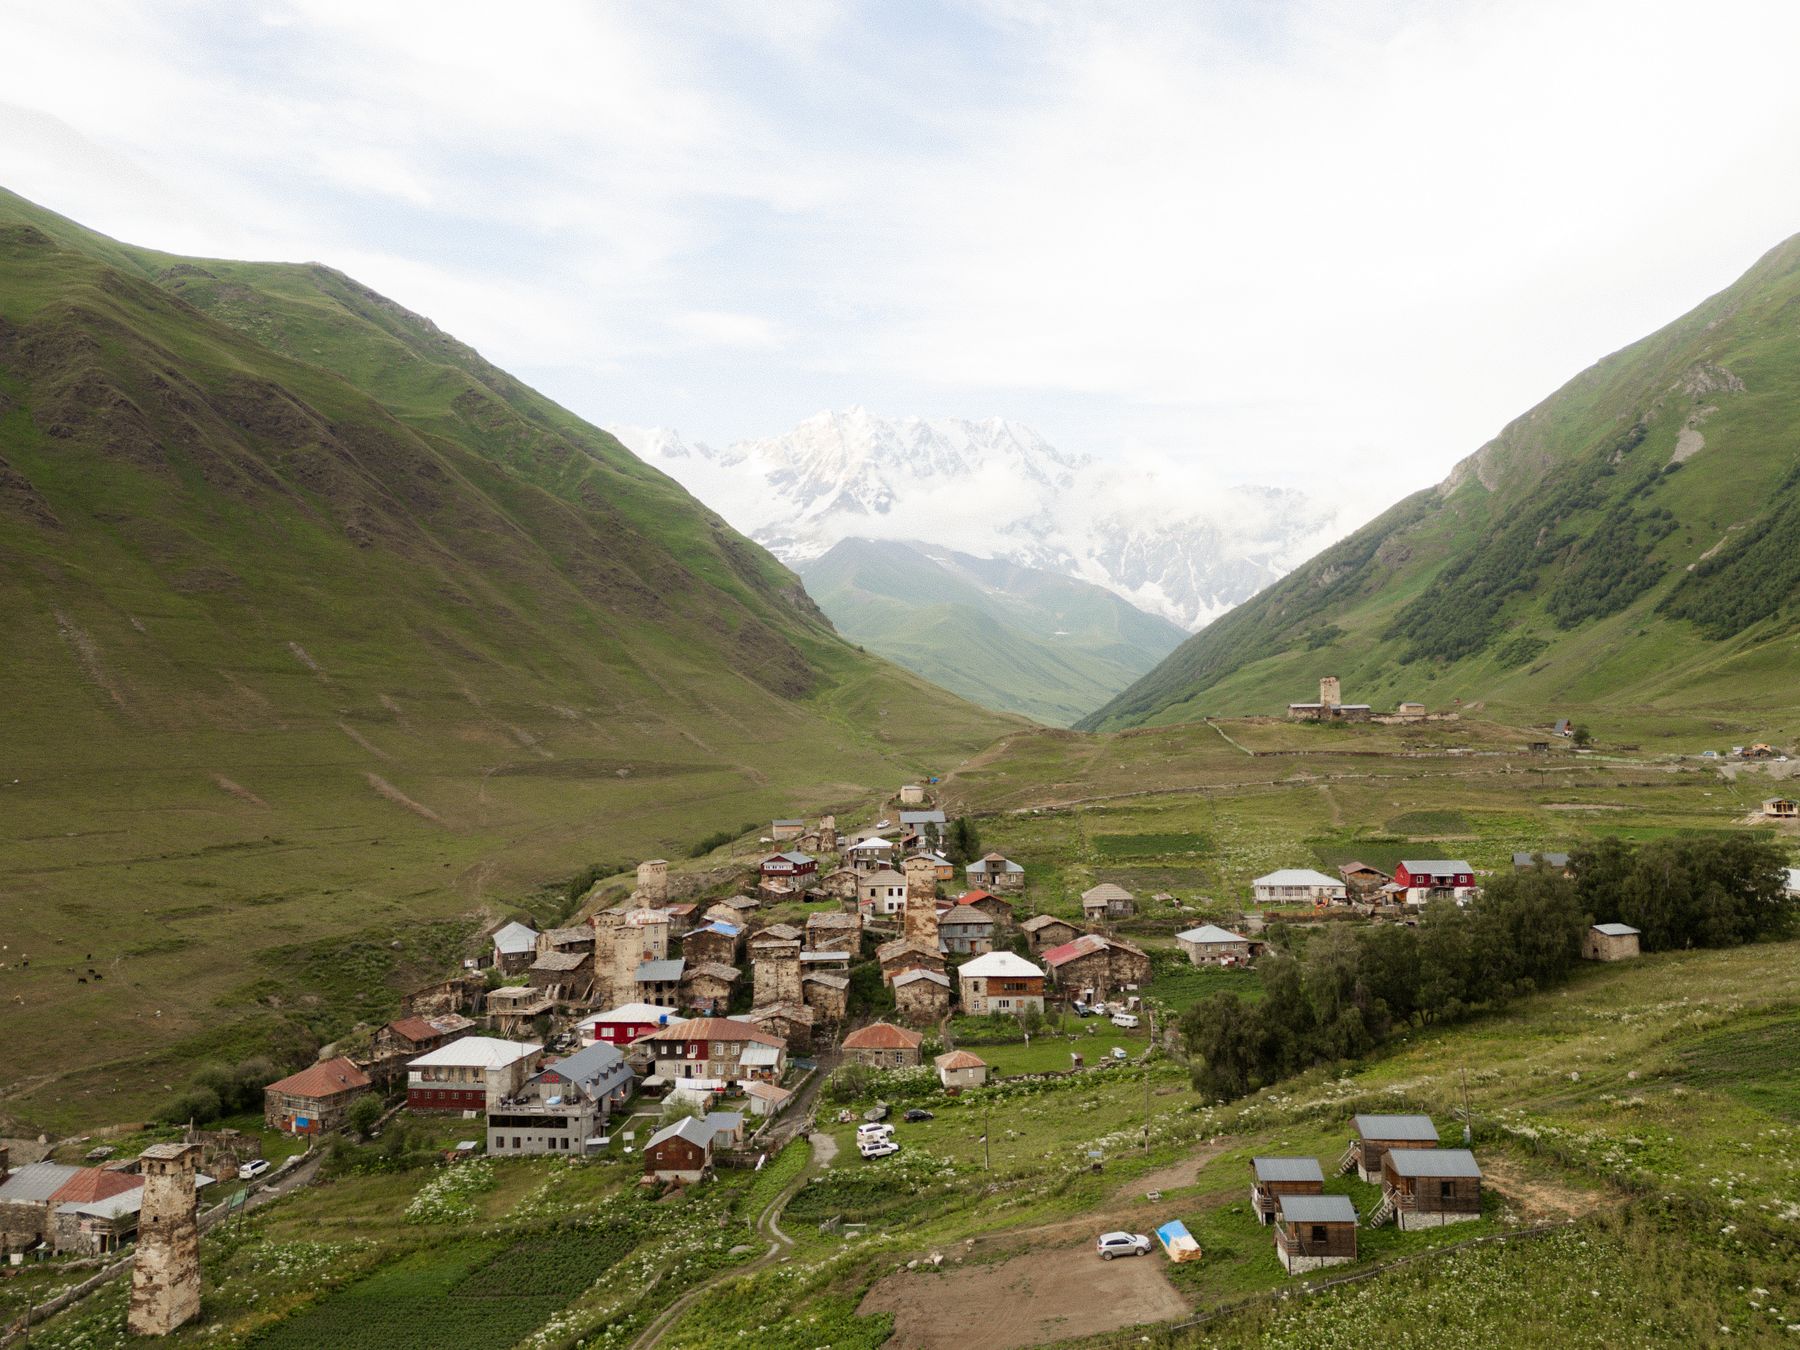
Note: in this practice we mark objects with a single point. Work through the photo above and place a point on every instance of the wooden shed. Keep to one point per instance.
(1428, 1187)
(1375, 1135)
(1273, 1178)
(1610, 942)
(1313, 1231)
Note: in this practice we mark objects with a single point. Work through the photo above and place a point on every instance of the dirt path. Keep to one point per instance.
(1169, 1178)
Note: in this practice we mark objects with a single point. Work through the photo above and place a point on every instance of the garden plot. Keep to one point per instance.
(1041, 1296)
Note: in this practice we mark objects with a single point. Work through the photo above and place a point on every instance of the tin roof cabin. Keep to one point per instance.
(1375, 1135)
(1312, 1231)
(1273, 1178)
(1610, 942)
(1428, 1187)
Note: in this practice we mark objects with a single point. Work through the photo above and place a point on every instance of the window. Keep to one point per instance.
(516, 1144)
(1445, 1190)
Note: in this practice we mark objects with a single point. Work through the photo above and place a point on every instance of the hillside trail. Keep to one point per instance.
(768, 1225)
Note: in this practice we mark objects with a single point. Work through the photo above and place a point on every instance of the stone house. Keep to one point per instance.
(783, 830)
(653, 881)
(408, 1037)
(515, 948)
(881, 894)
(995, 907)
(718, 941)
(1000, 982)
(828, 995)
(833, 932)
(882, 1045)
(1610, 942)
(922, 997)
(966, 931)
(165, 1271)
(1363, 881)
(840, 883)
(1094, 966)
(904, 954)
(1210, 944)
(912, 795)
(775, 964)
(707, 986)
(315, 1100)
(565, 976)
(793, 1022)
(996, 873)
(1107, 901)
(659, 982)
(735, 909)
(1046, 930)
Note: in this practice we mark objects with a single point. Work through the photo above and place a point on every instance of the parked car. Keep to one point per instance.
(253, 1169)
(1118, 1052)
(1110, 1245)
(919, 1113)
(1081, 1009)
(878, 1147)
(864, 1133)
(1128, 1021)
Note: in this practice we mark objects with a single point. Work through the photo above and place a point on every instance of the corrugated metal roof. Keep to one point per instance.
(1395, 1127)
(1207, 934)
(36, 1181)
(1616, 929)
(1287, 1169)
(1433, 1162)
(1316, 1208)
(661, 972)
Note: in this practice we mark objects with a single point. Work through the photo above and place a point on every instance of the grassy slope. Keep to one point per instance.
(1012, 638)
(1561, 466)
(317, 624)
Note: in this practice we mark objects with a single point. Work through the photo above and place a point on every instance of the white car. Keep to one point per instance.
(1110, 1245)
(1128, 1021)
(250, 1171)
(865, 1133)
(878, 1147)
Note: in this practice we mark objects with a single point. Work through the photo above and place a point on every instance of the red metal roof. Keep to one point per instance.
(91, 1184)
(1085, 945)
(714, 1029)
(882, 1036)
(414, 1029)
(324, 1080)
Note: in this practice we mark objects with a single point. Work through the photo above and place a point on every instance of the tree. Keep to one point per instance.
(363, 1114)
(1582, 738)
(1225, 1041)
(962, 844)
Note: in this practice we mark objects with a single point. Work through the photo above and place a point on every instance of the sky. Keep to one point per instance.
(1327, 245)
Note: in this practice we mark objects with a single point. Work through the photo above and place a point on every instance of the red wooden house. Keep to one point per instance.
(789, 866)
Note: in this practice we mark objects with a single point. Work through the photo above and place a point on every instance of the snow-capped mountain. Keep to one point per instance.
(994, 488)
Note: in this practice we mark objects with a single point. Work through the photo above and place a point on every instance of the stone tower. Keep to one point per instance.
(775, 969)
(653, 881)
(1329, 693)
(165, 1275)
(920, 921)
(828, 840)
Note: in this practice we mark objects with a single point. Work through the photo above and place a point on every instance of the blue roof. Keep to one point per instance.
(1171, 1230)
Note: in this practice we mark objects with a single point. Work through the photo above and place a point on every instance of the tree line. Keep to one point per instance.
(1347, 989)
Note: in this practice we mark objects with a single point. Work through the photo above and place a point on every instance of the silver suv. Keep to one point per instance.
(1110, 1245)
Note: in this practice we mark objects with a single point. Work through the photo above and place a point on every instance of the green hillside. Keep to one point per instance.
(1628, 551)
(1018, 639)
(326, 640)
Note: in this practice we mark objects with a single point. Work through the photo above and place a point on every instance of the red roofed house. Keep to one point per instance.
(1425, 879)
(1093, 966)
(314, 1100)
(960, 1069)
(882, 1045)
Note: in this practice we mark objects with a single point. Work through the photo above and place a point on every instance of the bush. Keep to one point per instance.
(364, 1112)
(197, 1104)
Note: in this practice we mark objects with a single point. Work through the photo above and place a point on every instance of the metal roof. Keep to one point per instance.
(476, 1052)
(1432, 1162)
(1616, 929)
(1316, 1208)
(1396, 1127)
(661, 972)
(515, 938)
(999, 964)
(1287, 1169)
(1207, 934)
(36, 1181)
(1298, 876)
(921, 817)
(1436, 866)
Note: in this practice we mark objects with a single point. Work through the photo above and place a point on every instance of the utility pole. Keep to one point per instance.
(987, 1138)
(1468, 1134)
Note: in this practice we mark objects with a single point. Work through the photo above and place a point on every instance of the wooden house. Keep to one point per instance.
(1312, 1231)
(1046, 930)
(1781, 808)
(882, 1045)
(1273, 1178)
(681, 1152)
(1610, 942)
(965, 930)
(1375, 1135)
(1362, 880)
(1428, 1187)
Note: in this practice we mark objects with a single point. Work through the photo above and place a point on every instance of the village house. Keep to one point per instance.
(793, 867)
(965, 930)
(1428, 1187)
(833, 932)
(659, 982)
(821, 838)
(787, 829)
(1272, 1178)
(1330, 708)
(465, 1074)
(408, 1037)
(316, 1100)
(1610, 942)
(681, 1152)
(840, 884)
(1361, 880)
(912, 795)
(882, 1045)
(766, 1099)
(1376, 1134)
(921, 996)
(564, 976)
(958, 1069)
(1781, 808)
(514, 1009)
(710, 1053)
(925, 826)
(1422, 880)
(1107, 901)
(515, 948)
(25, 1197)
(1211, 945)
(904, 954)
(1094, 966)
(1412, 711)
(827, 994)
(1312, 1231)
(716, 941)
(706, 987)
(1297, 885)
(626, 1024)
(873, 854)
(735, 909)
(99, 1216)
(997, 873)
(563, 1107)
(1043, 931)
(1000, 982)
(578, 938)
(996, 908)
(792, 1022)
(1556, 862)
(881, 894)
(775, 964)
